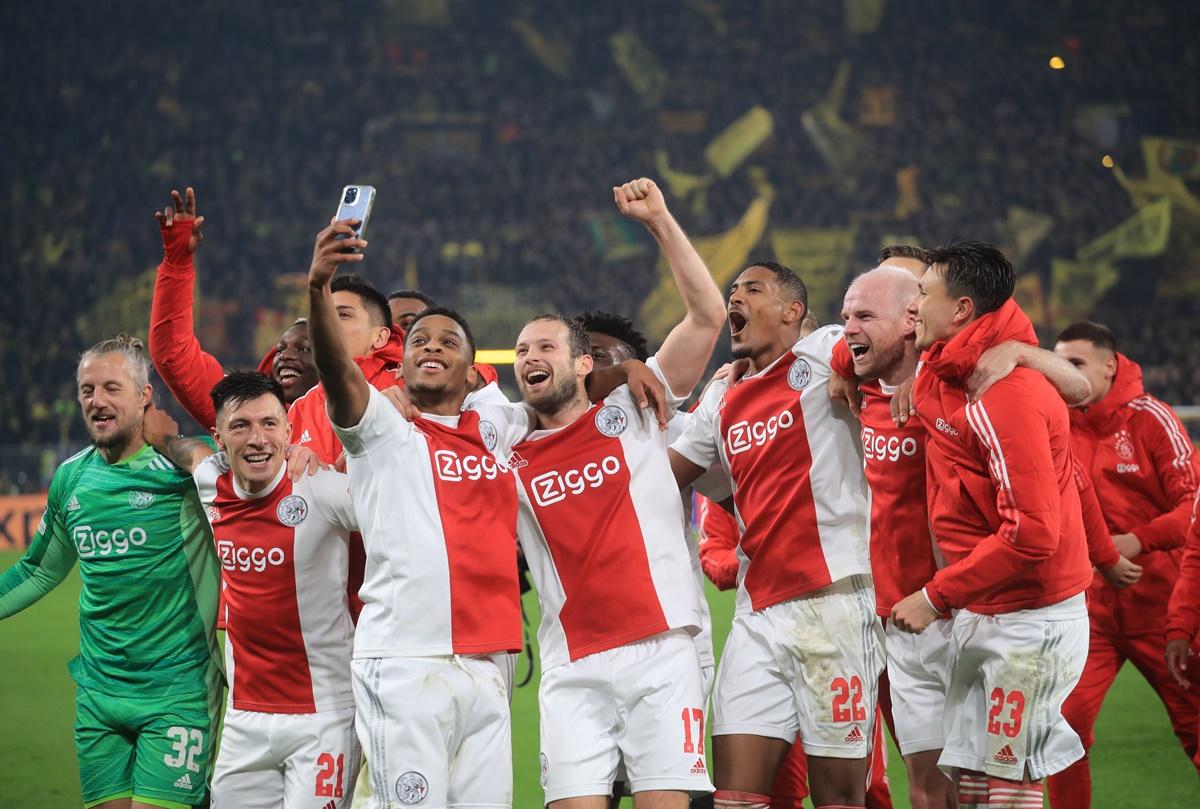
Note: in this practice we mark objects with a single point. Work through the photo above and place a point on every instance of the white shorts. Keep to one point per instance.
(642, 703)
(918, 669)
(807, 667)
(270, 760)
(706, 680)
(436, 731)
(1011, 675)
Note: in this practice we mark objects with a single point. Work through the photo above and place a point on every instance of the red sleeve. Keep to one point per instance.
(188, 371)
(1101, 550)
(1183, 613)
(1174, 460)
(842, 361)
(487, 373)
(1012, 431)
(718, 543)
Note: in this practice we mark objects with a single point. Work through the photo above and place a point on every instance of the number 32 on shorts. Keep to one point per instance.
(187, 744)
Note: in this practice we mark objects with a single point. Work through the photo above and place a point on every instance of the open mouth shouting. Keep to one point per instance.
(859, 351)
(287, 374)
(737, 323)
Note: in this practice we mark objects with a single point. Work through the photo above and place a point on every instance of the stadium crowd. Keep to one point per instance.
(449, 117)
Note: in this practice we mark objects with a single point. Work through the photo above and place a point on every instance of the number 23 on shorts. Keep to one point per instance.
(1014, 701)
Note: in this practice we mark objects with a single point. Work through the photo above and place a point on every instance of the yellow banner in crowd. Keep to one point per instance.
(638, 65)
(1159, 186)
(725, 254)
(820, 256)
(863, 16)
(1142, 235)
(838, 142)
(1076, 286)
(727, 150)
(1170, 156)
(554, 54)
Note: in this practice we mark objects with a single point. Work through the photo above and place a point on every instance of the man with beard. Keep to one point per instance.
(805, 652)
(1005, 509)
(188, 371)
(601, 524)
(438, 508)
(149, 669)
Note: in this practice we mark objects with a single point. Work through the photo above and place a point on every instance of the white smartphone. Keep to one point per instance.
(356, 202)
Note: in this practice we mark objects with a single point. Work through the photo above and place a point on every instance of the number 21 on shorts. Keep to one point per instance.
(329, 785)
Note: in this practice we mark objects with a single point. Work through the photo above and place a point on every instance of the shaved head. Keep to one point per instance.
(880, 324)
(889, 287)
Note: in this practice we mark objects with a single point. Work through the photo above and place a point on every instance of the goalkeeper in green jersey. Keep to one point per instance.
(148, 673)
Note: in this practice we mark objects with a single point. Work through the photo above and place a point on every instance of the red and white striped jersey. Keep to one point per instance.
(796, 466)
(438, 514)
(602, 526)
(284, 554)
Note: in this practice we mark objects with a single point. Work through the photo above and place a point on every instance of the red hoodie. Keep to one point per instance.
(1183, 615)
(1003, 501)
(188, 371)
(1145, 472)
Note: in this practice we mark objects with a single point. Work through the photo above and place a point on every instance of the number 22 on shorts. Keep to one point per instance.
(848, 691)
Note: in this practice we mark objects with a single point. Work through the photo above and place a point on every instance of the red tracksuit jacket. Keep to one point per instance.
(1144, 469)
(1183, 614)
(1003, 501)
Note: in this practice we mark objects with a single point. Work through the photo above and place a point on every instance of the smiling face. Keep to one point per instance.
(762, 317)
(111, 400)
(878, 323)
(253, 433)
(548, 376)
(939, 316)
(437, 361)
(293, 366)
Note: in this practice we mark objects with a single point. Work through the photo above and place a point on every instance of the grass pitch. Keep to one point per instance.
(1136, 761)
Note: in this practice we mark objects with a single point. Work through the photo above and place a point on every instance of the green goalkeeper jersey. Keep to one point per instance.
(148, 606)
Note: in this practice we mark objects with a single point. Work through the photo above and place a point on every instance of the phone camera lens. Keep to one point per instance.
(351, 195)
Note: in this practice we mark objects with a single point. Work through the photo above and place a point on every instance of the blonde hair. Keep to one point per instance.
(129, 347)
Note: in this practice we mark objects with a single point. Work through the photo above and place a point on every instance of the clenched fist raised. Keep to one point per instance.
(641, 200)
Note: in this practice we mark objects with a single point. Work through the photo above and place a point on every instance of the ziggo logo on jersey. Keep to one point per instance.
(551, 487)
(744, 435)
(91, 543)
(880, 447)
(234, 557)
(455, 468)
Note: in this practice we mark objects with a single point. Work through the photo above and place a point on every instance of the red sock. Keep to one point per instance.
(1005, 794)
(972, 790)
(729, 799)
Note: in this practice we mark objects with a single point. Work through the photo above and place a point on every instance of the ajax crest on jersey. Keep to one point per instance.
(1124, 446)
(411, 788)
(292, 510)
(214, 513)
(611, 420)
(545, 770)
(800, 374)
(140, 500)
(487, 431)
